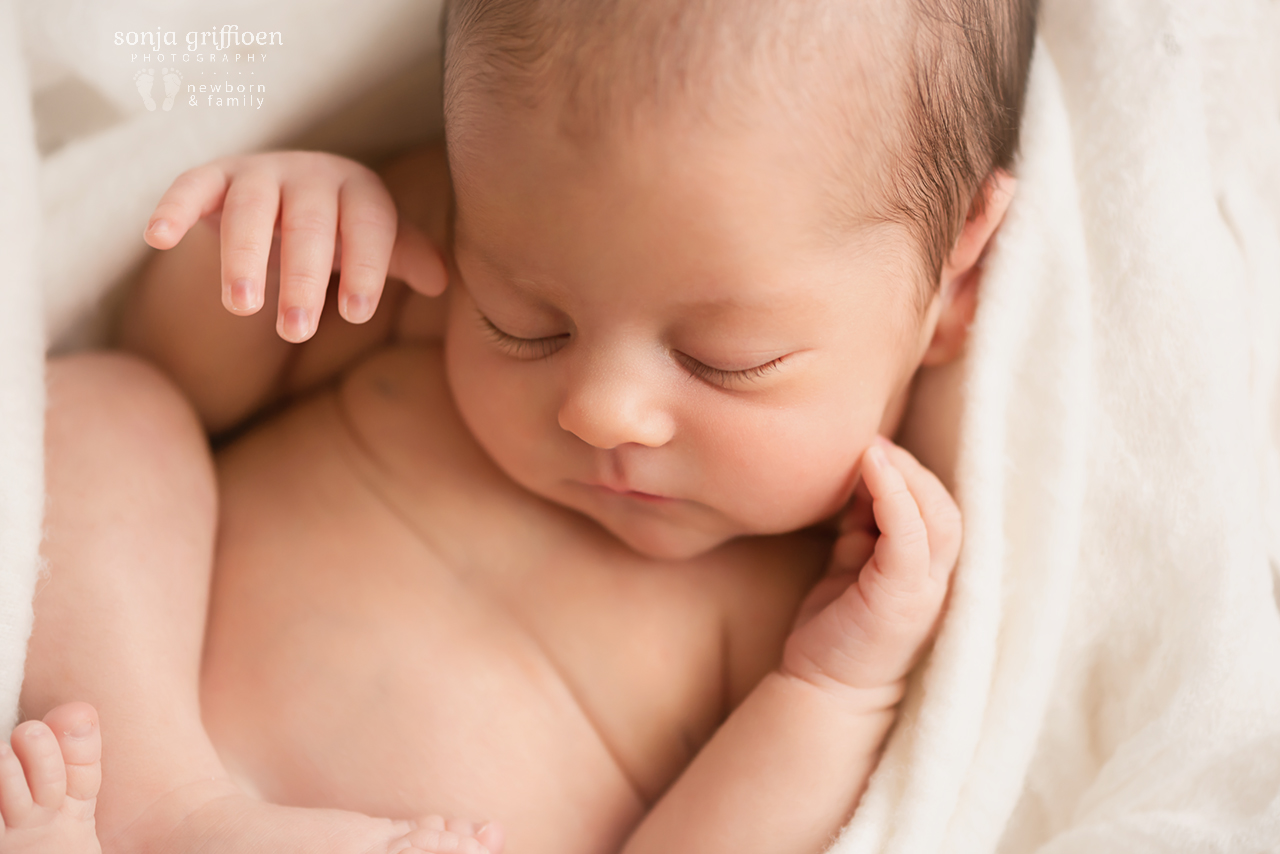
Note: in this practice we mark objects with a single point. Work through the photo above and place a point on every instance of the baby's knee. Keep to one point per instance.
(104, 388)
(109, 410)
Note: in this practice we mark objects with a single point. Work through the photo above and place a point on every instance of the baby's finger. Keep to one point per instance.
(902, 550)
(367, 220)
(852, 550)
(416, 261)
(857, 515)
(938, 509)
(308, 227)
(193, 195)
(248, 220)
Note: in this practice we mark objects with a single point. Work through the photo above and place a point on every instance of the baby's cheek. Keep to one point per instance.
(508, 406)
(478, 386)
(792, 469)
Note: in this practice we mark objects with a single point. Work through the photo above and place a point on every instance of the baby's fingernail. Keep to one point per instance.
(158, 226)
(81, 729)
(875, 457)
(357, 308)
(296, 324)
(884, 441)
(243, 296)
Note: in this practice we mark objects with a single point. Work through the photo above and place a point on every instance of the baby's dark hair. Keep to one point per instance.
(954, 73)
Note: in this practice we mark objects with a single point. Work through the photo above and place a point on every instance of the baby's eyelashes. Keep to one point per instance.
(725, 378)
(531, 349)
(525, 349)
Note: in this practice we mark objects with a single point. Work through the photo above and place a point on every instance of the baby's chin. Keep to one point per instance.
(667, 545)
(678, 536)
(660, 539)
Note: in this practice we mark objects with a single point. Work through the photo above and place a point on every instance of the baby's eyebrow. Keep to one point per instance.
(482, 254)
(720, 304)
(731, 296)
(489, 259)
(527, 287)
(717, 303)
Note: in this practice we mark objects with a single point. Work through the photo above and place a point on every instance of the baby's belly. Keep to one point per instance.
(347, 666)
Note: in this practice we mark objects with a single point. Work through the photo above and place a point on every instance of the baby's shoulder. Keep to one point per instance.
(397, 404)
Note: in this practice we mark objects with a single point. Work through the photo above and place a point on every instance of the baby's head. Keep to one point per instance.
(702, 246)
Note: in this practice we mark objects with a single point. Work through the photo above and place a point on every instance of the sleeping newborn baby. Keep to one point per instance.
(587, 539)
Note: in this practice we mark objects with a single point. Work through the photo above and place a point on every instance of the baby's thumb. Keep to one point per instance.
(416, 261)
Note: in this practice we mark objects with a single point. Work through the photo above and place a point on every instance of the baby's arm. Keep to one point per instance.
(787, 768)
(231, 362)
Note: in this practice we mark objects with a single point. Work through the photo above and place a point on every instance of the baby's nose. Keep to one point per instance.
(607, 407)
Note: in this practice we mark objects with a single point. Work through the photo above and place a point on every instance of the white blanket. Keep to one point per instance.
(1108, 676)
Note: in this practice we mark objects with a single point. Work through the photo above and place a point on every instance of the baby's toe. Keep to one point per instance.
(492, 836)
(75, 725)
(434, 841)
(461, 826)
(489, 834)
(430, 822)
(41, 758)
(15, 796)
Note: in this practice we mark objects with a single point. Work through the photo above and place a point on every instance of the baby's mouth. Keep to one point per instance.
(646, 496)
(624, 492)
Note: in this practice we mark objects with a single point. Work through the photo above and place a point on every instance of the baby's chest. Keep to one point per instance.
(349, 664)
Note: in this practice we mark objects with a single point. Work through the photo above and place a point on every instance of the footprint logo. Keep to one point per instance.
(172, 80)
(143, 80)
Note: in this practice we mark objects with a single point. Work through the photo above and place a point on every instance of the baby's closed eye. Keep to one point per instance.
(542, 347)
(723, 377)
(523, 348)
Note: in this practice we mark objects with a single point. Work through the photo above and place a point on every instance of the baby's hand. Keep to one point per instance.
(333, 214)
(865, 624)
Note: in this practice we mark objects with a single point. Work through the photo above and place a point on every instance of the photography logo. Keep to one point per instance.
(145, 80)
(219, 68)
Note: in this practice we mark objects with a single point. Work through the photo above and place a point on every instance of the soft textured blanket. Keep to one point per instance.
(1108, 679)
(1108, 675)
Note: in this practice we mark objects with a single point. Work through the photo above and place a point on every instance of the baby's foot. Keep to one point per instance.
(214, 817)
(49, 782)
(143, 80)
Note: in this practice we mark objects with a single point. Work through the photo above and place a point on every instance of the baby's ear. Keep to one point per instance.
(958, 286)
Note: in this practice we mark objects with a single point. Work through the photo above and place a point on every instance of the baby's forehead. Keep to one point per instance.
(910, 105)
(825, 69)
(602, 60)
